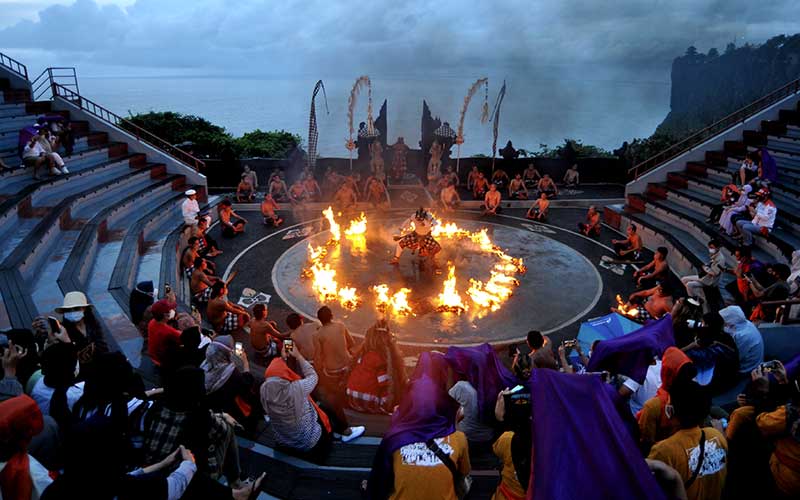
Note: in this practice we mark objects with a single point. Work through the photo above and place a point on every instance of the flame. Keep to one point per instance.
(626, 309)
(358, 227)
(397, 302)
(348, 298)
(449, 300)
(336, 233)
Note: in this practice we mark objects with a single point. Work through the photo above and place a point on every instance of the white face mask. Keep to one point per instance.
(712, 251)
(73, 316)
(171, 314)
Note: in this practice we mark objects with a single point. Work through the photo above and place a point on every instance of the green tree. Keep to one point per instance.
(271, 144)
(175, 128)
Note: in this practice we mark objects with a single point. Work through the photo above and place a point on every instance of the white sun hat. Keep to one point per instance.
(73, 300)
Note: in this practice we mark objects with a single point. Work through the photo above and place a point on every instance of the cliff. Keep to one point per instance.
(707, 87)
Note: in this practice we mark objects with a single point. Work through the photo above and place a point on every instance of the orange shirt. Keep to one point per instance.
(681, 451)
(419, 474)
(785, 460)
(508, 476)
(739, 417)
(653, 425)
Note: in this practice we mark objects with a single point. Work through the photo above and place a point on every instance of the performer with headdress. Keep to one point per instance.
(416, 232)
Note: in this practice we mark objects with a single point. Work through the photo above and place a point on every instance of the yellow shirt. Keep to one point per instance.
(681, 451)
(508, 477)
(785, 460)
(653, 425)
(420, 475)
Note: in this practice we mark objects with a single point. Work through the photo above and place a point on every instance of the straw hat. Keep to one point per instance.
(73, 300)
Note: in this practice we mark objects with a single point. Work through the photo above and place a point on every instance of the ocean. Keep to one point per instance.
(599, 112)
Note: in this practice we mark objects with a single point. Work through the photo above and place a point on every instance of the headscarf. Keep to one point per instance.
(746, 336)
(20, 421)
(218, 366)
(743, 198)
(769, 168)
(481, 367)
(279, 369)
(674, 359)
(426, 412)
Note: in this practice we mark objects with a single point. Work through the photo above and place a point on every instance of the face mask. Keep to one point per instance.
(73, 316)
(171, 314)
(712, 251)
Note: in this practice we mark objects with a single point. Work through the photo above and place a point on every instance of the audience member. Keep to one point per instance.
(763, 214)
(749, 342)
(46, 142)
(735, 210)
(469, 419)
(714, 354)
(748, 170)
(711, 273)
(34, 156)
(781, 427)
(514, 447)
(57, 391)
(778, 290)
(377, 379)
(229, 389)
(162, 339)
(21, 475)
(746, 266)
(82, 326)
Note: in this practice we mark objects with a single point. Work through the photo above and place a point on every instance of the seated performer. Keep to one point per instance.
(631, 247)
(539, 209)
(417, 235)
(449, 198)
(517, 189)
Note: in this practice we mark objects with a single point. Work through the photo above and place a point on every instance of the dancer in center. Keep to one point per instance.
(416, 232)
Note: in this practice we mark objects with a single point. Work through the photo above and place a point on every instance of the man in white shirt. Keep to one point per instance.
(640, 393)
(763, 218)
(189, 208)
(34, 156)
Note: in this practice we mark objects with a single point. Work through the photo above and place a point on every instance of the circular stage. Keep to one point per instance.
(560, 287)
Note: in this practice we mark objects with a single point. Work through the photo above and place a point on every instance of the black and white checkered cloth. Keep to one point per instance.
(203, 296)
(231, 322)
(427, 243)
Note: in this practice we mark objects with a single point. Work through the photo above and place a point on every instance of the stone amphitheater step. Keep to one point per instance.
(793, 131)
(45, 296)
(8, 96)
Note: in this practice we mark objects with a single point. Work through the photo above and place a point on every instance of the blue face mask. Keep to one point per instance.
(73, 316)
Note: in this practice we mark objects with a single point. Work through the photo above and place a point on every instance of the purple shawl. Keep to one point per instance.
(426, 411)
(483, 370)
(632, 354)
(583, 449)
(769, 168)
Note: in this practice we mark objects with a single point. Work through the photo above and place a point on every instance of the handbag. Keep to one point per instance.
(461, 483)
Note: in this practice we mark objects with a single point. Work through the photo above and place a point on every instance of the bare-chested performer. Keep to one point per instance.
(201, 282)
(631, 247)
(517, 189)
(417, 235)
(538, 210)
(651, 304)
(657, 270)
(345, 197)
(449, 198)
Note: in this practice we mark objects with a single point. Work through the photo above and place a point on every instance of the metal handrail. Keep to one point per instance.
(14, 65)
(141, 134)
(735, 118)
(44, 82)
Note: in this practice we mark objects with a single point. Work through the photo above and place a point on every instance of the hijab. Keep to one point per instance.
(282, 392)
(674, 359)
(20, 421)
(218, 366)
(746, 336)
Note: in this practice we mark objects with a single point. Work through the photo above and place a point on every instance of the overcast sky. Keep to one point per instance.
(380, 37)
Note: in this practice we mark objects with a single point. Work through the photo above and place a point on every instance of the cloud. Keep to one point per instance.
(387, 37)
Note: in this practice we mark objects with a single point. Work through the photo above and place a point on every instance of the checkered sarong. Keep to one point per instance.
(201, 243)
(231, 322)
(204, 296)
(427, 243)
(189, 271)
(643, 316)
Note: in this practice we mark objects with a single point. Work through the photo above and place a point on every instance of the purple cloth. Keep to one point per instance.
(426, 411)
(583, 449)
(769, 168)
(481, 367)
(792, 367)
(25, 136)
(632, 354)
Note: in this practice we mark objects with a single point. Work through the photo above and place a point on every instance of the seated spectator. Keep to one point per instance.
(732, 211)
(231, 222)
(592, 225)
(711, 273)
(631, 247)
(491, 202)
(190, 254)
(517, 189)
(57, 391)
(470, 422)
(763, 218)
(687, 313)
(277, 188)
(250, 176)
(699, 454)
(190, 209)
(728, 196)
(34, 156)
(547, 186)
(46, 141)
(538, 210)
(208, 246)
(480, 187)
(531, 176)
(748, 170)
(183, 417)
(657, 270)
(192, 348)
(269, 211)
(778, 290)
(654, 422)
(264, 335)
(297, 193)
(245, 191)
(781, 427)
(12, 355)
(162, 339)
(85, 333)
(472, 177)
(303, 334)
(223, 315)
(651, 304)
(141, 299)
(499, 178)
(513, 448)
(377, 379)
(449, 198)
(638, 394)
(201, 282)
(740, 289)
(21, 475)
(749, 343)
(228, 388)
(312, 187)
(572, 176)
(345, 198)
(714, 352)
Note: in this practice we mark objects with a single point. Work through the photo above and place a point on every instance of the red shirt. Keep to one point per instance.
(161, 338)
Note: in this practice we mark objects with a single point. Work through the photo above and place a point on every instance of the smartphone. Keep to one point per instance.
(516, 389)
(770, 366)
(54, 325)
(288, 345)
(238, 348)
(570, 343)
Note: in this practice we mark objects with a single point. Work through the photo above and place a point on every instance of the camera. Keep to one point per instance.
(570, 343)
